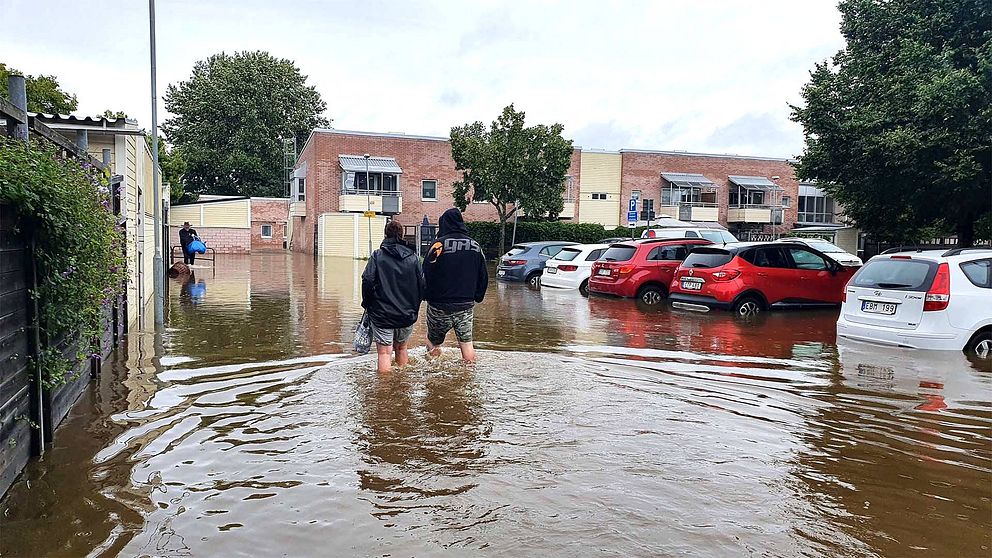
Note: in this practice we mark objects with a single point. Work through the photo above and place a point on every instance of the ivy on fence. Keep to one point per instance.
(64, 206)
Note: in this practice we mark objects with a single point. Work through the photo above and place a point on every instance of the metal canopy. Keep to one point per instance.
(688, 180)
(356, 163)
(755, 183)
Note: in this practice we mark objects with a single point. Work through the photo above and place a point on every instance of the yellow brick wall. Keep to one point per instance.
(600, 173)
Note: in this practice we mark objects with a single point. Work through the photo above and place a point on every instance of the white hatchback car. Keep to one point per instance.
(835, 252)
(570, 268)
(931, 299)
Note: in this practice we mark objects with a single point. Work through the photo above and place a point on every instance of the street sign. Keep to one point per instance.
(369, 214)
(632, 205)
(631, 225)
(632, 215)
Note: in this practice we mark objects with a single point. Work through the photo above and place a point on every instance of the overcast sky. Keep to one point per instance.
(704, 76)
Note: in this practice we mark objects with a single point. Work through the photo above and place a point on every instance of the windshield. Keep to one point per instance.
(718, 237)
(619, 253)
(566, 255)
(701, 257)
(516, 250)
(824, 246)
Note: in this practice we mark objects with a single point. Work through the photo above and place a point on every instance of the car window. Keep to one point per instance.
(718, 236)
(804, 259)
(619, 253)
(567, 255)
(516, 250)
(668, 253)
(979, 272)
(691, 234)
(768, 256)
(595, 254)
(551, 250)
(706, 257)
(896, 274)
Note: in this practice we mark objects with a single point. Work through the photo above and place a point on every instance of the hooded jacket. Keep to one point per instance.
(454, 267)
(393, 285)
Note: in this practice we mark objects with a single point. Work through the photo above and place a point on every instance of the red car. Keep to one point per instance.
(750, 277)
(640, 268)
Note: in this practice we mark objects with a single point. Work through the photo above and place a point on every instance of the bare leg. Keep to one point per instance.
(433, 350)
(401, 355)
(468, 351)
(385, 358)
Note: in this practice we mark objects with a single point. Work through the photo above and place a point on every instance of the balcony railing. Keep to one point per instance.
(370, 200)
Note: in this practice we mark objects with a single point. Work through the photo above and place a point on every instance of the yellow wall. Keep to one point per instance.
(347, 234)
(600, 173)
(233, 214)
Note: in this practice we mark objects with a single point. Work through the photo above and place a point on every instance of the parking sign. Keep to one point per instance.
(632, 205)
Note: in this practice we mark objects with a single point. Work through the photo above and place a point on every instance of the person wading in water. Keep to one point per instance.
(392, 290)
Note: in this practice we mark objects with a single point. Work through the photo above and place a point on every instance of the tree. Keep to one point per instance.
(44, 93)
(511, 166)
(114, 114)
(898, 125)
(173, 169)
(229, 119)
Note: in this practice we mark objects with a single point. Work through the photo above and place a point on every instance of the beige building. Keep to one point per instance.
(121, 142)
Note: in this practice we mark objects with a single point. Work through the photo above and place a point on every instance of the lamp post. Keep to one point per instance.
(368, 198)
(157, 262)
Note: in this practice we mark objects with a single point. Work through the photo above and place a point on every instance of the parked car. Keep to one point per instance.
(615, 239)
(749, 277)
(640, 268)
(835, 252)
(525, 261)
(717, 236)
(571, 267)
(930, 299)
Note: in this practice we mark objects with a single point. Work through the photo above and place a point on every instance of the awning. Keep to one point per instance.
(755, 183)
(688, 180)
(356, 163)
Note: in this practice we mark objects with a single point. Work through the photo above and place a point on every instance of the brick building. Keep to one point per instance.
(233, 224)
(410, 177)
(269, 223)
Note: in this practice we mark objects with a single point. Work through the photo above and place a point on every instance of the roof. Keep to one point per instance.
(688, 179)
(356, 163)
(754, 182)
(90, 123)
(546, 243)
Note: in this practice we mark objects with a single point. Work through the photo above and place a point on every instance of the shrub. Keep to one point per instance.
(486, 233)
(63, 206)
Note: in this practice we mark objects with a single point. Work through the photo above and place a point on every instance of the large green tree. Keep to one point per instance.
(44, 93)
(898, 124)
(230, 117)
(511, 166)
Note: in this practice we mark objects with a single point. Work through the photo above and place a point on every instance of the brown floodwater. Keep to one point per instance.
(588, 427)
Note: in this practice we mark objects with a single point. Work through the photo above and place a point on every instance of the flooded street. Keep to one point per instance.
(588, 427)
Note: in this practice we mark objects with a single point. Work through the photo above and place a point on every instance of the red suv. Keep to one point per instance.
(750, 277)
(640, 268)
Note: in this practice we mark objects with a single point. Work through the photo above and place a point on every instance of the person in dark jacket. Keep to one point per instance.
(457, 278)
(187, 235)
(392, 290)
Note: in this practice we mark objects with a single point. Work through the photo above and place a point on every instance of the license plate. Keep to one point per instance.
(603, 272)
(692, 285)
(500, 273)
(552, 270)
(886, 308)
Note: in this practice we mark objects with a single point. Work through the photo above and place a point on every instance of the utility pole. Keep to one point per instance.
(157, 268)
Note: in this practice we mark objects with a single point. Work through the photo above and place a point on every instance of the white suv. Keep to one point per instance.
(716, 236)
(931, 299)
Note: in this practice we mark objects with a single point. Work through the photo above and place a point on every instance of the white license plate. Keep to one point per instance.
(692, 285)
(603, 272)
(886, 308)
(552, 270)
(500, 273)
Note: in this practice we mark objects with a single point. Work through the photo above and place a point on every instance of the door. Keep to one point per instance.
(664, 260)
(816, 281)
(775, 277)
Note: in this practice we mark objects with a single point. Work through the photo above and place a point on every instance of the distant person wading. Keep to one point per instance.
(392, 290)
(187, 235)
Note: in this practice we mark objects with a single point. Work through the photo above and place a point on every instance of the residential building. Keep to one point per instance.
(233, 224)
(121, 142)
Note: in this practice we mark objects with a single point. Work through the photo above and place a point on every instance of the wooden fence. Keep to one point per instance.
(29, 414)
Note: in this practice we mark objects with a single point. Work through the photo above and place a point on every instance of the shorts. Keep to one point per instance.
(386, 336)
(439, 323)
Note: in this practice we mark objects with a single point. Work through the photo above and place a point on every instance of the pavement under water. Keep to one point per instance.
(588, 427)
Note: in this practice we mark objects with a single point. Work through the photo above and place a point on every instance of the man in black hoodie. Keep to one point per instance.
(457, 278)
(392, 289)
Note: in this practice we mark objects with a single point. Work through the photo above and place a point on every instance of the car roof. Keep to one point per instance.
(939, 254)
(663, 241)
(735, 247)
(595, 246)
(545, 243)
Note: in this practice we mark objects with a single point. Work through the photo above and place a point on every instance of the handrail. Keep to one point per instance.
(212, 259)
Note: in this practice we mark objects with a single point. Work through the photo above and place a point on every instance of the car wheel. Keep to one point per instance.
(584, 288)
(651, 295)
(747, 306)
(981, 345)
(534, 280)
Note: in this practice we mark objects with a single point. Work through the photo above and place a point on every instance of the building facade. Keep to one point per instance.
(233, 224)
(411, 177)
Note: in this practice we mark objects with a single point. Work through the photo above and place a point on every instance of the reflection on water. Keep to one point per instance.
(246, 428)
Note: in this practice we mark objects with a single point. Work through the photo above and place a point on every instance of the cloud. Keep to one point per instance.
(450, 97)
(758, 134)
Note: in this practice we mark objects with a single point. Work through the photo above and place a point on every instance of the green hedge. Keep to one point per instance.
(486, 233)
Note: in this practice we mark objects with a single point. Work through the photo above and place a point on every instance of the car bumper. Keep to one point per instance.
(562, 280)
(515, 273)
(619, 288)
(913, 339)
(700, 303)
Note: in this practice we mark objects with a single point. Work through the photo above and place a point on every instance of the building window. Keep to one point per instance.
(569, 194)
(428, 190)
(266, 231)
(746, 197)
(786, 201)
(301, 190)
(816, 209)
(598, 196)
(376, 183)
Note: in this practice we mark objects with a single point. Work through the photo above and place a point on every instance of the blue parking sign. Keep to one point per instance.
(632, 215)
(632, 205)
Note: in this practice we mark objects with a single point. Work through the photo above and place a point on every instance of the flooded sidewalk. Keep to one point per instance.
(588, 427)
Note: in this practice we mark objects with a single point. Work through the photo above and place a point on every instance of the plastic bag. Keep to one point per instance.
(363, 335)
(197, 247)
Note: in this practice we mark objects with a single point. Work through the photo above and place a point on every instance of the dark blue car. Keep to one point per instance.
(525, 261)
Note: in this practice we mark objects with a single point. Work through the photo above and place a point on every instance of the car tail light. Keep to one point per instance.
(568, 267)
(650, 234)
(900, 258)
(727, 275)
(939, 295)
(516, 262)
(626, 269)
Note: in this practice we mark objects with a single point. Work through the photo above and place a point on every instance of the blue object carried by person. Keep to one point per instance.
(197, 247)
